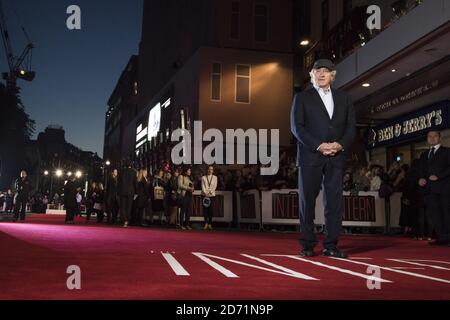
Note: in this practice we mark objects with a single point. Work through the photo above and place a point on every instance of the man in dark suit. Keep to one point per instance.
(23, 188)
(435, 182)
(127, 182)
(323, 122)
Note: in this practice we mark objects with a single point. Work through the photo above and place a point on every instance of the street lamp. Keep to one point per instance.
(46, 173)
(69, 174)
(78, 174)
(59, 173)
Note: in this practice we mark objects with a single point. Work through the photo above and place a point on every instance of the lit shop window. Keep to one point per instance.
(235, 16)
(216, 82)
(243, 81)
(261, 22)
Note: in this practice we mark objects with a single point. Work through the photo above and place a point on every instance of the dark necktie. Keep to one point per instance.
(432, 153)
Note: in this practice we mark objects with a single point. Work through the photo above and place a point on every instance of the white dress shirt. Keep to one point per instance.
(327, 98)
(436, 148)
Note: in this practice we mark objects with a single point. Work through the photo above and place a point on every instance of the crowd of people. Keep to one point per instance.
(136, 197)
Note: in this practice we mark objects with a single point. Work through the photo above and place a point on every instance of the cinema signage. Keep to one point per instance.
(411, 126)
(149, 124)
(410, 95)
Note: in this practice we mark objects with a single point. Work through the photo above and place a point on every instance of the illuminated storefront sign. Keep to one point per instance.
(148, 127)
(411, 126)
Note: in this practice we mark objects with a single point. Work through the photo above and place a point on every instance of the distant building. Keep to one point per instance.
(122, 109)
(226, 63)
(51, 153)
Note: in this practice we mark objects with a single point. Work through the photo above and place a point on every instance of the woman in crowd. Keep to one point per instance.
(174, 198)
(143, 196)
(98, 202)
(362, 180)
(158, 193)
(91, 195)
(375, 182)
(209, 187)
(187, 189)
(167, 176)
(348, 184)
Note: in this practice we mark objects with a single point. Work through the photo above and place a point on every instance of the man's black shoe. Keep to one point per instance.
(309, 253)
(437, 243)
(335, 253)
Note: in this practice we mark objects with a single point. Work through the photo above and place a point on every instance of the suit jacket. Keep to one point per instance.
(312, 126)
(127, 182)
(438, 166)
(23, 187)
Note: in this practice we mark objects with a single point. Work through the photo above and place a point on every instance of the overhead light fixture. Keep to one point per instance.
(394, 70)
(46, 172)
(59, 173)
(78, 174)
(69, 174)
(304, 43)
(366, 85)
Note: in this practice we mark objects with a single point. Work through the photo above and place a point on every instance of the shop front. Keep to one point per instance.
(404, 138)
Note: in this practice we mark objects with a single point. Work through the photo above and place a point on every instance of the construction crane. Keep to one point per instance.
(19, 66)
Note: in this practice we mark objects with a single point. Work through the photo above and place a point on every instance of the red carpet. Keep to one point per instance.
(121, 263)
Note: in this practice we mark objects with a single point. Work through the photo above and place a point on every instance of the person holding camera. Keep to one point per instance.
(209, 187)
(187, 189)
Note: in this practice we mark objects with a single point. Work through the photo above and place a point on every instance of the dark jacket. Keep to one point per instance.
(438, 166)
(70, 195)
(111, 192)
(143, 193)
(127, 182)
(23, 187)
(312, 126)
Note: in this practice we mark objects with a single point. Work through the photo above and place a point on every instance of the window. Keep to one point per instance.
(243, 82)
(216, 81)
(325, 17)
(261, 22)
(235, 16)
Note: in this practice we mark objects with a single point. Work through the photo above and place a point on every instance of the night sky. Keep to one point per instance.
(76, 70)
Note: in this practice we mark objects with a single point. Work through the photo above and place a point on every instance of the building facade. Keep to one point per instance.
(226, 63)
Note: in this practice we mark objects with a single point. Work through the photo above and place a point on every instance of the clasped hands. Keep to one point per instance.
(423, 182)
(330, 149)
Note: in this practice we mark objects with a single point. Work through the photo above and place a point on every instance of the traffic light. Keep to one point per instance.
(26, 75)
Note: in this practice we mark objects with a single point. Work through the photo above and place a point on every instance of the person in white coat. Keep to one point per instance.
(209, 187)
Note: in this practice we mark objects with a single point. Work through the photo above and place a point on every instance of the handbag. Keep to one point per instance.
(206, 202)
(159, 193)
